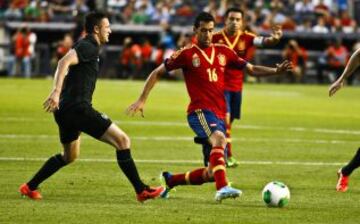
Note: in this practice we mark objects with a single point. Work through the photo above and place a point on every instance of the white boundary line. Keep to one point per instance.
(184, 124)
(88, 160)
(187, 138)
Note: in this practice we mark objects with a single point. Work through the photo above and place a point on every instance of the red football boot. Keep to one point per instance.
(149, 193)
(343, 182)
(25, 191)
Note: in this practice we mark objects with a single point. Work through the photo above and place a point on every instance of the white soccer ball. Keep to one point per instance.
(276, 194)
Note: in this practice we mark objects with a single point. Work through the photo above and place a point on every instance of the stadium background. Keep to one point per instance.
(152, 30)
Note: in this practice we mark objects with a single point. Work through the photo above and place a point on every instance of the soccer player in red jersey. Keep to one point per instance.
(241, 42)
(203, 65)
(345, 172)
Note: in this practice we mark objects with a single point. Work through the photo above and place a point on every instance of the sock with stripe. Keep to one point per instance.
(352, 165)
(195, 177)
(217, 165)
(50, 167)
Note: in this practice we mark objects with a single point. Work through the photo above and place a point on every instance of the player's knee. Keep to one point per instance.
(218, 139)
(122, 142)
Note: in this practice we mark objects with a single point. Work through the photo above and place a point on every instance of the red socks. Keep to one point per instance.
(195, 177)
(217, 165)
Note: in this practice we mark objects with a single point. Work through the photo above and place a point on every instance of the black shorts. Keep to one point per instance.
(80, 118)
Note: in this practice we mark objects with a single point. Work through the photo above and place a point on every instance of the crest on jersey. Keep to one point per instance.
(241, 45)
(222, 59)
(195, 60)
(221, 41)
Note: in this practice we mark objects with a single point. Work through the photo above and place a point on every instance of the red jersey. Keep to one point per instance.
(204, 74)
(240, 43)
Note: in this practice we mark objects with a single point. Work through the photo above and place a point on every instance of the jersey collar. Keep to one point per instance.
(228, 43)
(212, 57)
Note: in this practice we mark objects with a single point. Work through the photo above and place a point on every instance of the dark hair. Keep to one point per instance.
(93, 19)
(233, 10)
(203, 17)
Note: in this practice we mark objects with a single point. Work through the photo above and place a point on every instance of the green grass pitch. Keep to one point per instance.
(291, 133)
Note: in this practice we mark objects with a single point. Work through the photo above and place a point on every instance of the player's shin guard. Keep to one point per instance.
(352, 165)
(195, 177)
(127, 165)
(52, 165)
(217, 165)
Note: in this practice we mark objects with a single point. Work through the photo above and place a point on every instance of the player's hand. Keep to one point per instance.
(277, 32)
(284, 66)
(51, 104)
(335, 87)
(138, 106)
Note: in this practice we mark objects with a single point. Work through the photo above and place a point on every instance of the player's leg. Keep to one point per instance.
(119, 139)
(346, 171)
(50, 167)
(69, 137)
(234, 112)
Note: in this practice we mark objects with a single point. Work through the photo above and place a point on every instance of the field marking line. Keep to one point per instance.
(165, 161)
(184, 124)
(187, 138)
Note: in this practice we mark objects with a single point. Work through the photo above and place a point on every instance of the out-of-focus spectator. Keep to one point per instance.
(161, 14)
(62, 48)
(140, 16)
(146, 51)
(114, 8)
(320, 27)
(347, 23)
(306, 26)
(24, 43)
(130, 60)
(61, 9)
(79, 8)
(303, 9)
(297, 55)
(32, 11)
(321, 9)
(334, 60)
(125, 63)
(15, 10)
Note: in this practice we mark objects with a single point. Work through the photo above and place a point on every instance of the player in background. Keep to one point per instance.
(70, 101)
(241, 41)
(203, 66)
(345, 172)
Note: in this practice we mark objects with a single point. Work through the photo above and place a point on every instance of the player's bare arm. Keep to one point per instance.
(150, 82)
(275, 36)
(350, 68)
(51, 103)
(260, 71)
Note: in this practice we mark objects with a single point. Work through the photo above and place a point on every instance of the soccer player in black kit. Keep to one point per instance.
(70, 101)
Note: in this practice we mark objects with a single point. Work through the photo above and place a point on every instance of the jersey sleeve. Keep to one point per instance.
(85, 51)
(176, 61)
(234, 61)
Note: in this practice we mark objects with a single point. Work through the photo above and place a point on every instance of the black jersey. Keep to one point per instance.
(79, 83)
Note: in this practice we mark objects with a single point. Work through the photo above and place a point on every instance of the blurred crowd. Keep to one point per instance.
(138, 56)
(321, 16)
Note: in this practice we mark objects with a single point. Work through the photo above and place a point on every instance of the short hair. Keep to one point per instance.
(233, 10)
(203, 17)
(93, 19)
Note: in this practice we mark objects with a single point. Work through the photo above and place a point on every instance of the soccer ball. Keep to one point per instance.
(276, 194)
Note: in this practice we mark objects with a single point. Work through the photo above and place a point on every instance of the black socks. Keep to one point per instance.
(52, 165)
(352, 165)
(127, 165)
